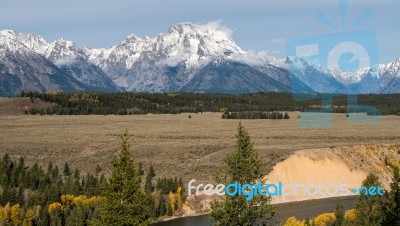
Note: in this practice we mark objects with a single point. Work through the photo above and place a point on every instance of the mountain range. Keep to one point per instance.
(187, 58)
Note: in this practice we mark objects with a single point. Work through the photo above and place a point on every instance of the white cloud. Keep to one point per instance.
(215, 27)
(252, 57)
(65, 61)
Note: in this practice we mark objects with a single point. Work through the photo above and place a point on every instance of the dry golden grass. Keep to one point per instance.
(175, 144)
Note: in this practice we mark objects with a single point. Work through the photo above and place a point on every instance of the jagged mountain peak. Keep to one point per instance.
(132, 37)
(189, 44)
(392, 68)
(35, 43)
(10, 44)
(182, 27)
(64, 42)
(192, 43)
(195, 56)
(64, 52)
(11, 34)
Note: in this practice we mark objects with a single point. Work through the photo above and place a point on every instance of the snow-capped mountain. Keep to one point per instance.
(188, 57)
(72, 60)
(169, 61)
(23, 69)
(383, 78)
(314, 76)
(390, 77)
(34, 64)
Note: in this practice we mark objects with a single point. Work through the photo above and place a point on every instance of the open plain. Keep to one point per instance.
(175, 145)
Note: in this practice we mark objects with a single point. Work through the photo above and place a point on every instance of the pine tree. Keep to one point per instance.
(391, 208)
(339, 215)
(162, 207)
(98, 170)
(369, 208)
(66, 171)
(307, 221)
(244, 166)
(286, 116)
(148, 187)
(124, 202)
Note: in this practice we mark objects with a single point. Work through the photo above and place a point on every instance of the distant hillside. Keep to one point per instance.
(18, 106)
(95, 103)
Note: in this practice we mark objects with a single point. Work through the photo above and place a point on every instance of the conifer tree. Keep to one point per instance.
(66, 171)
(391, 207)
(286, 116)
(339, 215)
(98, 170)
(124, 202)
(162, 207)
(244, 166)
(368, 208)
(148, 187)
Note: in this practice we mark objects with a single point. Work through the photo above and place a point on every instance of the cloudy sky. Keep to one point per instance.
(260, 25)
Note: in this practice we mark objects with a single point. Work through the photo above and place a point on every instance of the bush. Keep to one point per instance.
(286, 116)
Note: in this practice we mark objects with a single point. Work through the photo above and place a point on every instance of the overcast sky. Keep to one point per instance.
(260, 25)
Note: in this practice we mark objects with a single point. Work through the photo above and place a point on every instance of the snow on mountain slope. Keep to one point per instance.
(23, 69)
(34, 42)
(63, 52)
(392, 69)
(383, 78)
(349, 77)
(71, 59)
(184, 43)
(316, 77)
(172, 60)
(30, 63)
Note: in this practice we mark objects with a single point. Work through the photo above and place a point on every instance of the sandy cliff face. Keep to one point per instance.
(326, 167)
(323, 167)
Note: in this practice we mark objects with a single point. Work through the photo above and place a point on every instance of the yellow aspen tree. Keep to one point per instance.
(5, 213)
(79, 200)
(172, 201)
(179, 197)
(292, 221)
(15, 214)
(2, 214)
(351, 215)
(324, 219)
(67, 198)
(29, 217)
(91, 202)
(54, 206)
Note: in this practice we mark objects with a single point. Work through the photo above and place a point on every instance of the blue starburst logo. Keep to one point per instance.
(343, 51)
